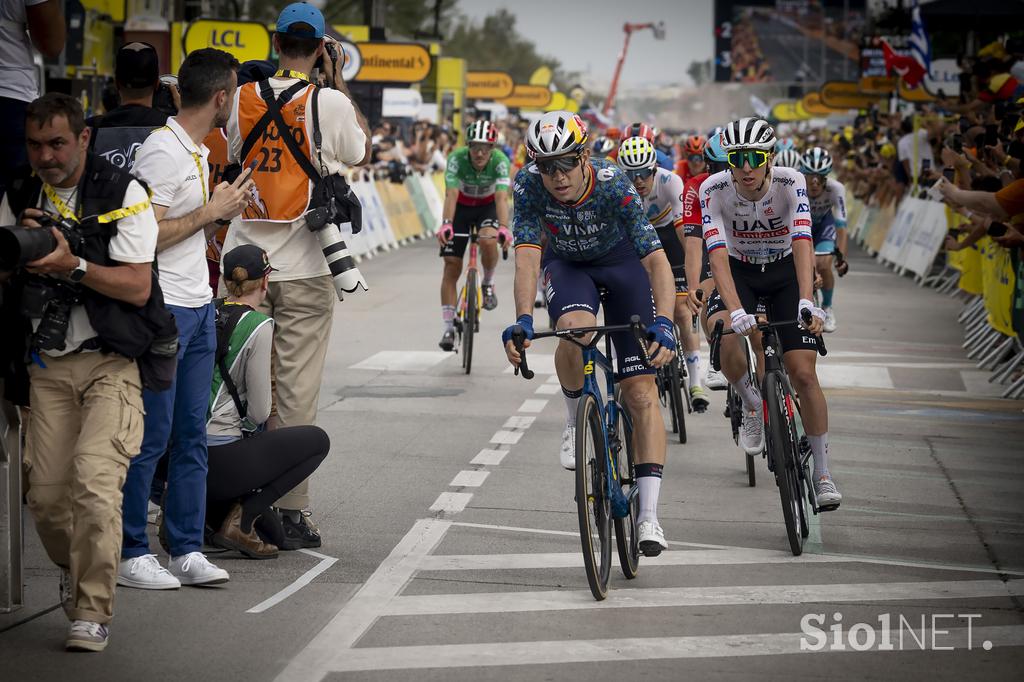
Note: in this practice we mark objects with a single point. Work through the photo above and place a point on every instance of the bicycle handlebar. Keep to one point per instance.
(634, 326)
(842, 267)
(719, 331)
(700, 297)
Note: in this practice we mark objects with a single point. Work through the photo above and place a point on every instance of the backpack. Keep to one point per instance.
(227, 318)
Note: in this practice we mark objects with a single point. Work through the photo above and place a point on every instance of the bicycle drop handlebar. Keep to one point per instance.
(719, 332)
(634, 326)
(700, 297)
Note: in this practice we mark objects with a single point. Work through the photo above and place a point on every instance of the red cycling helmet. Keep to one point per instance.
(694, 145)
(638, 130)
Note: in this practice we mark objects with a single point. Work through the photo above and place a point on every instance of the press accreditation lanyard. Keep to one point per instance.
(116, 214)
(288, 73)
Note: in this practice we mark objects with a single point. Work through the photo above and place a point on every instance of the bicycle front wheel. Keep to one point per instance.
(472, 300)
(592, 504)
(626, 540)
(779, 436)
(677, 401)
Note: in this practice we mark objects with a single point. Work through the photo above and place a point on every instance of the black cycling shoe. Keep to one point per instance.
(447, 340)
(300, 534)
(490, 300)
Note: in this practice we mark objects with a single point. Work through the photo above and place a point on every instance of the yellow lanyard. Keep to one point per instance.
(62, 208)
(199, 169)
(288, 73)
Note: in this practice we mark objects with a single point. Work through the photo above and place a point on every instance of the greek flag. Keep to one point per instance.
(920, 46)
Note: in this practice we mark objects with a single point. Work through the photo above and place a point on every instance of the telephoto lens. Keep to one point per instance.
(346, 276)
(20, 245)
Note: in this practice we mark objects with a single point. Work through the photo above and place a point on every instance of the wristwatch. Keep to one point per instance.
(79, 272)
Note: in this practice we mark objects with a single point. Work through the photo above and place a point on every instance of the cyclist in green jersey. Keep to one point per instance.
(476, 182)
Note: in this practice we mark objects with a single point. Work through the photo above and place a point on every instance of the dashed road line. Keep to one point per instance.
(518, 422)
(533, 406)
(451, 503)
(469, 479)
(488, 457)
(506, 437)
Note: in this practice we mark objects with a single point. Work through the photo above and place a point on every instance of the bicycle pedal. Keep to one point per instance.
(828, 508)
(650, 549)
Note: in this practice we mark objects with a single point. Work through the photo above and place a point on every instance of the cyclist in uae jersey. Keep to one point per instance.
(476, 193)
(662, 194)
(757, 226)
(597, 236)
(827, 198)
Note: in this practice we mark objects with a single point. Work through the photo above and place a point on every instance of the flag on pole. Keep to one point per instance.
(920, 46)
(908, 68)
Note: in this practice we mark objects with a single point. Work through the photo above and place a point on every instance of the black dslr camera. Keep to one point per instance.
(46, 298)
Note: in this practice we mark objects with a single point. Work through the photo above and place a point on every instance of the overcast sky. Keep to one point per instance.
(586, 35)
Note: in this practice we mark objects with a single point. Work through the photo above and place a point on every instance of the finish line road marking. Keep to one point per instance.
(303, 580)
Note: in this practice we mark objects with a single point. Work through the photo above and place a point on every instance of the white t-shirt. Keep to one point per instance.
(905, 149)
(17, 71)
(176, 170)
(135, 242)
(292, 248)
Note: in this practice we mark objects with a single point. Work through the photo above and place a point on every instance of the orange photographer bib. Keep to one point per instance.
(282, 187)
(217, 143)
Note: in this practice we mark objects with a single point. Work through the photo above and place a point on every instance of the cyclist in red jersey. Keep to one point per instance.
(691, 159)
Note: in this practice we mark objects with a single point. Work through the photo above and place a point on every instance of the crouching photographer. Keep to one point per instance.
(88, 319)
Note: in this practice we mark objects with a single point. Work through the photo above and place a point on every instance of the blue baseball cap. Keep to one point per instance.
(301, 13)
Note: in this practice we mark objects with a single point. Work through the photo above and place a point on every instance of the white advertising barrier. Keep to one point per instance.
(383, 234)
(358, 244)
(434, 201)
(899, 230)
(926, 239)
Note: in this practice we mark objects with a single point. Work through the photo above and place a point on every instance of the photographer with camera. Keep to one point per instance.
(82, 283)
(301, 201)
(173, 162)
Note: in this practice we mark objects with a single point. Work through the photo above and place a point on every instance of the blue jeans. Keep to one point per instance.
(178, 416)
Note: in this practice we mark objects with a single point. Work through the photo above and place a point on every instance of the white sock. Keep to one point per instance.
(748, 394)
(488, 276)
(572, 401)
(819, 450)
(650, 488)
(693, 369)
(448, 317)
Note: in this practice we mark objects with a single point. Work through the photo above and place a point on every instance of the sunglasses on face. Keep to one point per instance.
(641, 174)
(755, 158)
(696, 158)
(562, 163)
(480, 147)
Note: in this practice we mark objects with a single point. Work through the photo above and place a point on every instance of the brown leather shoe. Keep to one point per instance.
(231, 536)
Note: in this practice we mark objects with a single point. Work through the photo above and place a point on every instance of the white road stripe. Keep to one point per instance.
(303, 580)
(548, 389)
(331, 645)
(469, 479)
(569, 600)
(451, 503)
(632, 649)
(518, 422)
(855, 376)
(489, 457)
(506, 437)
(402, 360)
(533, 406)
(541, 363)
(553, 379)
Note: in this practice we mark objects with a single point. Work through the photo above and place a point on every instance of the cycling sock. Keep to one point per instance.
(826, 298)
(693, 369)
(448, 316)
(648, 477)
(819, 449)
(572, 401)
(748, 394)
(488, 276)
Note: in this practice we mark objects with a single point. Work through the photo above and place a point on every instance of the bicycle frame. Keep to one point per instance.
(471, 266)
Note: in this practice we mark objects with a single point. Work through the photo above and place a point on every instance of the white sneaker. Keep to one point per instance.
(752, 433)
(145, 573)
(85, 635)
(715, 380)
(830, 321)
(651, 538)
(567, 453)
(195, 569)
(826, 495)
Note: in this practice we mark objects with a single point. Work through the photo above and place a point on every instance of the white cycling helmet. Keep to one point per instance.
(637, 153)
(787, 158)
(816, 160)
(481, 131)
(556, 133)
(749, 133)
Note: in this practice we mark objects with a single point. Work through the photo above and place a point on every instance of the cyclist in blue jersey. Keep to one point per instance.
(597, 236)
(827, 198)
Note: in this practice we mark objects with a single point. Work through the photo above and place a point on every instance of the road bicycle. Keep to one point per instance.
(786, 449)
(470, 301)
(672, 380)
(607, 493)
(734, 411)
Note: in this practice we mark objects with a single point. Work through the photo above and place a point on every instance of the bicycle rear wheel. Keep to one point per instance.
(626, 540)
(471, 322)
(780, 439)
(677, 403)
(592, 504)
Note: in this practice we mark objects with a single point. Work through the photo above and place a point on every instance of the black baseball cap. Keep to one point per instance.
(250, 258)
(137, 66)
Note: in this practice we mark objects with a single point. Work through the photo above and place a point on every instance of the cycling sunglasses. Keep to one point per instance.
(480, 147)
(696, 158)
(562, 163)
(641, 174)
(755, 158)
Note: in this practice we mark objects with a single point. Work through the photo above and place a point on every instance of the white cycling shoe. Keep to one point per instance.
(715, 380)
(830, 321)
(752, 433)
(651, 538)
(826, 495)
(567, 453)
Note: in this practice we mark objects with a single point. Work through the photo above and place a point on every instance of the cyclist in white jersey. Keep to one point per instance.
(662, 194)
(828, 222)
(757, 226)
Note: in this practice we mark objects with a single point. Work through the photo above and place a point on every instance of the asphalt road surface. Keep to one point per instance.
(451, 551)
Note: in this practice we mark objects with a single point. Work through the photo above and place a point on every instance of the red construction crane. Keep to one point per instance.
(659, 34)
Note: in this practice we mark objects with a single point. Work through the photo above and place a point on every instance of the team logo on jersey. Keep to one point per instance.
(626, 201)
(710, 233)
(803, 208)
(706, 220)
(783, 181)
(769, 211)
(605, 174)
(551, 228)
(801, 192)
(801, 222)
